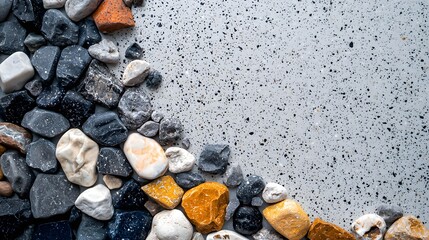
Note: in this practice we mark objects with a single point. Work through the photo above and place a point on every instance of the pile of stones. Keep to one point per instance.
(85, 156)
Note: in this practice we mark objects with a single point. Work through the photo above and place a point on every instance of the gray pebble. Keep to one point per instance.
(250, 188)
(106, 51)
(186, 143)
(17, 172)
(170, 130)
(389, 213)
(80, 9)
(134, 108)
(34, 87)
(45, 123)
(232, 206)
(189, 180)
(41, 156)
(149, 129)
(214, 158)
(5, 6)
(91, 229)
(157, 116)
(34, 41)
(233, 176)
(257, 202)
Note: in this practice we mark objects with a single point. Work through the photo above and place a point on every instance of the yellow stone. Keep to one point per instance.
(407, 227)
(288, 218)
(205, 206)
(164, 191)
(321, 230)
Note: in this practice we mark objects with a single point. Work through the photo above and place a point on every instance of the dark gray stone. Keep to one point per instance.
(112, 161)
(232, 206)
(53, 231)
(27, 234)
(88, 33)
(41, 156)
(14, 106)
(170, 130)
(247, 220)
(189, 179)
(233, 176)
(17, 172)
(34, 87)
(75, 217)
(45, 123)
(51, 96)
(34, 41)
(149, 129)
(157, 116)
(153, 80)
(250, 188)
(10, 43)
(29, 13)
(129, 197)
(76, 108)
(390, 213)
(5, 6)
(106, 129)
(214, 158)
(91, 229)
(58, 29)
(257, 202)
(134, 108)
(72, 65)
(45, 61)
(130, 225)
(186, 143)
(15, 215)
(134, 51)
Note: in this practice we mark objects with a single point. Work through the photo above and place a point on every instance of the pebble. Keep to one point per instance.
(41, 156)
(369, 227)
(5, 189)
(146, 156)
(88, 33)
(112, 182)
(233, 176)
(214, 158)
(135, 73)
(205, 206)
(134, 108)
(11, 43)
(251, 187)
(96, 202)
(14, 136)
(281, 214)
(179, 228)
(197, 236)
(15, 216)
(186, 143)
(265, 234)
(51, 96)
(2, 150)
(75, 216)
(34, 87)
(134, 51)
(105, 51)
(149, 129)
(72, 64)
(170, 130)
(257, 202)
(157, 116)
(105, 128)
(247, 220)
(17, 172)
(34, 41)
(389, 213)
(129, 196)
(409, 228)
(274, 193)
(29, 13)
(164, 191)
(76, 108)
(52, 195)
(179, 160)
(113, 15)
(153, 80)
(226, 235)
(77, 155)
(14, 106)
(189, 180)
(58, 29)
(321, 230)
(153, 207)
(27, 234)
(232, 206)
(53, 3)
(80, 9)
(45, 123)
(100, 85)
(129, 225)
(45, 61)
(91, 229)
(113, 161)
(5, 6)
(53, 230)
(15, 71)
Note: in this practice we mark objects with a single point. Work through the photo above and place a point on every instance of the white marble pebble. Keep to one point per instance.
(96, 202)
(48, 4)
(179, 160)
(274, 192)
(135, 73)
(171, 225)
(105, 51)
(15, 71)
(79, 9)
(365, 224)
(197, 236)
(225, 235)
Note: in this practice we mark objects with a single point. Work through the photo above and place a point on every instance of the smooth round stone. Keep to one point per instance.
(114, 162)
(76, 108)
(129, 197)
(233, 176)
(45, 61)
(105, 51)
(247, 220)
(15, 216)
(58, 29)
(12, 42)
(189, 179)
(34, 41)
(17, 172)
(72, 65)
(369, 226)
(106, 129)
(112, 182)
(389, 213)
(146, 156)
(179, 227)
(274, 192)
(14, 136)
(53, 230)
(134, 51)
(80, 9)
(214, 158)
(45, 123)
(15, 71)
(88, 33)
(226, 234)
(149, 129)
(179, 160)
(130, 225)
(249, 188)
(5, 6)
(135, 73)
(170, 130)
(91, 229)
(134, 108)
(53, 3)
(15, 105)
(96, 202)
(50, 97)
(153, 80)
(41, 156)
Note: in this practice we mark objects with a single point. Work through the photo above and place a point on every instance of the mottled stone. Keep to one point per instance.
(11, 43)
(96, 202)
(17, 172)
(389, 213)
(170, 130)
(34, 87)
(76, 108)
(5, 6)
(233, 176)
(6, 189)
(179, 160)
(157, 116)
(153, 207)
(72, 65)
(134, 108)
(45, 123)
(15, 215)
(75, 217)
(58, 29)
(88, 33)
(135, 73)
(45, 61)
(265, 234)
(179, 228)
(15, 71)
(189, 179)
(112, 182)
(114, 162)
(14, 136)
(51, 96)
(186, 143)
(130, 225)
(257, 202)
(226, 235)
(321, 230)
(134, 51)
(409, 228)
(53, 230)
(53, 3)
(129, 197)
(149, 129)
(153, 80)
(232, 206)
(164, 191)
(369, 227)
(105, 51)
(213, 158)
(29, 13)
(247, 220)
(41, 156)
(91, 229)
(274, 192)
(80, 9)
(34, 41)
(251, 187)
(14, 106)
(113, 15)
(106, 129)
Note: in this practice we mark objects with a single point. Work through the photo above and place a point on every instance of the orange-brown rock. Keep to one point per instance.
(5, 189)
(205, 206)
(321, 230)
(113, 15)
(164, 191)
(407, 227)
(14, 136)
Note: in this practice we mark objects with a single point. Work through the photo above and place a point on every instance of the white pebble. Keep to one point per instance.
(135, 73)
(274, 192)
(47, 4)
(79, 9)
(15, 71)
(105, 51)
(363, 227)
(96, 202)
(225, 234)
(171, 225)
(179, 160)
(197, 236)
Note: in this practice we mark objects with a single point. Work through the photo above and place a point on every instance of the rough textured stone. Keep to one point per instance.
(157, 116)
(11, 43)
(106, 129)
(91, 229)
(321, 230)
(88, 33)
(232, 206)
(265, 234)
(5, 6)
(153, 207)
(29, 13)
(15, 215)
(15, 71)
(189, 179)
(100, 85)
(34, 87)
(14, 136)
(179, 160)
(34, 41)
(129, 197)
(114, 162)
(17, 172)
(5, 189)
(53, 3)
(2, 150)
(113, 15)
(369, 227)
(273, 193)
(45, 123)
(53, 230)
(213, 158)
(58, 29)
(164, 191)
(112, 182)
(96, 202)
(389, 213)
(135, 73)
(186, 143)
(72, 65)
(179, 228)
(247, 220)
(51, 96)
(75, 217)
(15, 105)
(134, 108)
(251, 187)
(41, 156)
(80, 9)
(409, 228)
(226, 234)
(149, 129)
(76, 108)
(146, 156)
(257, 202)
(45, 61)
(205, 206)
(130, 225)
(134, 51)
(153, 80)
(52, 195)
(105, 51)
(233, 176)
(77, 155)
(288, 218)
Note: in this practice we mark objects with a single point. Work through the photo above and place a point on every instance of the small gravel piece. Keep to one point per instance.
(105, 51)
(106, 129)
(214, 158)
(91, 229)
(179, 160)
(247, 220)
(149, 129)
(76, 108)
(17, 172)
(34, 87)
(15, 71)
(274, 192)
(189, 180)
(233, 176)
(153, 80)
(34, 41)
(113, 161)
(96, 202)
(58, 29)
(15, 105)
(45, 61)
(72, 65)
(5, 6)
(80, 9)
(157, 116)
(170, 130)
(51, 96)
(11, 43)
(88, 33)
(389, 213)
(112, 182)
(29, 13)
(186, 143)
(41, 156)
(45, 123)
(232, 206)
(134, 108)
(135, 73)
(257, 202)
(251, 187)
(134, 51)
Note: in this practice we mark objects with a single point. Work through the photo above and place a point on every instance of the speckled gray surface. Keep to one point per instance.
(329, 98)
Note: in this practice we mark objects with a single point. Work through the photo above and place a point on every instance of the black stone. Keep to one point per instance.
(58, 29)
(100, 85)
(5, 6)
(34, 87)
(134, 51)
(29, 13)
(91, 229)
(250, 188)
(76, 108)
(130, 225)
(41, 156)
(15, 105)
(112, 161)
(72, 65)
(134, 108)
(153, 80)
(214, 158)
(389, 213)
(45, 61)
(27, 234)
(75, 217)
(15, 214)
(88, 33)
(34, 41)
(106, 129)
(51, 96)
(45, 123)
(129, 197)
(53, 231)
(170, 130)
(52, 195)
(189, 179)
(247, 220)
(10, 43)
(17, 172)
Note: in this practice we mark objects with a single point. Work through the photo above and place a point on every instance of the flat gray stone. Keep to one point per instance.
(45, 123)
(233, 176)
(41, 156)
(149, 129)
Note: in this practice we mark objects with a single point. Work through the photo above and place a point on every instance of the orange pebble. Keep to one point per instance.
(113, 15)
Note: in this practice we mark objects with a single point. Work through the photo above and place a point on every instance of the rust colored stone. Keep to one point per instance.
(14, 136)
(321, 230)
(113, 15)
(407, 227)
(205, 206)
(164, 191)
(5, 189)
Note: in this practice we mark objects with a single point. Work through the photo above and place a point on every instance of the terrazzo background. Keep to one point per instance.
(329, 98)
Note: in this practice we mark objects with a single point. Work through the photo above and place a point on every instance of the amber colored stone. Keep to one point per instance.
(321, 230)
(288, 218)
(5, 189)
(407, 227)
(205, 206)
(164, 191)
(113, 15)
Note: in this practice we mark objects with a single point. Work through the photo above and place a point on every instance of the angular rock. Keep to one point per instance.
(178, 226)
(205, 206)
(14, 136)
(164, 191)
(265, 234)
(113, 15)
(77, 155)
(45, 61)
(105, 51)
(257, 202)
(232, 206)
(15, 105)
(58, 29)
(226, 234)
(6, 189)
(15, 71)
(75, 217)
(45, 123)
(96, 202)
(407, 227)
(186, 143)
(114, 162)
(15, 215)
(72, 65)
(274, 192)
(129, 197)
(251, 187)
(134, 51)
(134, 108)
(213, 158)
(170, 130)
(321, 230)
(135, 73)
(91, 229)
(34, 41)
(17, 172)
(53, 230)
(112, 182)
(189, 180)
(80, 9)
(100, 85)
(51, 96)
(197, 236)
(48, 4)
(146, 156)
(88, 33)
(106, 129)
(29, 13)
(34, 88)
(149, 129)
(76, 108)
(41, 156)
(369, 226)
(153, 207)
(233, 176)
(157, 116)
(153, 80)
(389, 213)
(52, 195)
(247, 220)
(130, 225)
(11, 43)
(5, 6)
(179, 160)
